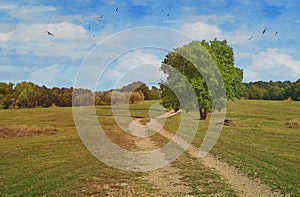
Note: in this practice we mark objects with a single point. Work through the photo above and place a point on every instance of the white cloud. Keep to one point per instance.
(36, 9)
(239, 36)
(54, 75)
(69, 40)
(4, 37)
(14, 73)
(188, 8)
(210, 18)
(29, 12)
(137, 65)
(272, 64)
(7, 6)
(202, 30)
(37, 32)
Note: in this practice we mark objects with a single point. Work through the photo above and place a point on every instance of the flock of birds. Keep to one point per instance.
(263, 32)
(99, 18)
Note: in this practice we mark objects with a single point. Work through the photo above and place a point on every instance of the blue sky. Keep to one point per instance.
(27, 53)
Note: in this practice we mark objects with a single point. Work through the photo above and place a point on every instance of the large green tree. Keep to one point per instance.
(204, 54)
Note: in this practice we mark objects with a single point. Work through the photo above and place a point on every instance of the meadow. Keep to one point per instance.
(263, 143)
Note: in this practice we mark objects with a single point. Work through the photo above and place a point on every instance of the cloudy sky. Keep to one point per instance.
(28, 53)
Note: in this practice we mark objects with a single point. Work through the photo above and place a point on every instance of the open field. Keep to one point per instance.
(263, 144)
(59, 164)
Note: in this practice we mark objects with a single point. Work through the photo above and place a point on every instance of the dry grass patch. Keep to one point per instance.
(21, 131)
(295, 124)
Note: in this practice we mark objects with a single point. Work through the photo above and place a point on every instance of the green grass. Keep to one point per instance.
(262, 144)
(57, 165)
(60, 165)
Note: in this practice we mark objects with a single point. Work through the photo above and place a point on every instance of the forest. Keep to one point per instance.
(29, 95)
(278, 90)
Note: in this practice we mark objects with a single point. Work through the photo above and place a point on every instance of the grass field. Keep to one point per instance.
(60, 165)
(264, 144)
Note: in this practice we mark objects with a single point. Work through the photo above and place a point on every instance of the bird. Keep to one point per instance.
(276, 33)
(250, 38)
(264, 31)
(99, 18)
(116, 9)
(89, 28)
(168, 14)
(49, 33)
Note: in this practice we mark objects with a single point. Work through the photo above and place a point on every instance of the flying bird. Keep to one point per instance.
(168, 14)
(49, 33)
(99, 18)
(276, 33)
(250, 38)
(116, 9)
(264, 31)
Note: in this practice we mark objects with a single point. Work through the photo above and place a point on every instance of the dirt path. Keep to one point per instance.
(166, 179)
(167, 176)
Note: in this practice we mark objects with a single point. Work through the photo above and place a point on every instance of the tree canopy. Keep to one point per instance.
(28, 95)
(272, 90)
(206, 55)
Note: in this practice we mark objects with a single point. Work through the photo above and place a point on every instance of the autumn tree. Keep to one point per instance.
(136, 97)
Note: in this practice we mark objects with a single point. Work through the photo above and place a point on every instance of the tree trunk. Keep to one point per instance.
(203, 113)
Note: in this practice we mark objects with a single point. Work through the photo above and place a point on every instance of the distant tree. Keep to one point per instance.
(53, 94)
(271, 90)
(65, 97)
(296, 91)
(154, 93)
(44, 97)
(276, 93)
(118, 98)
(145, 90)
(103, 98)
(6, 95)
(257, 93)
(82, 97)
(26, 94)
(288, 89)
(136, 97)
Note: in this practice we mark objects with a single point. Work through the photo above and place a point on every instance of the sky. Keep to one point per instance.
(80, 27)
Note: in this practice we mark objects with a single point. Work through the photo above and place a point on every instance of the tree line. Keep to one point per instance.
(272, 90)
(29, 95)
